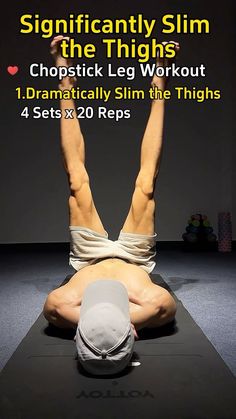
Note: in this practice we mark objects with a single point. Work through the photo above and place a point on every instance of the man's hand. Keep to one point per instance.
(135, 331)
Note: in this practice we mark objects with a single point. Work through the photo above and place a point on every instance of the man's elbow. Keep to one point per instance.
(164, 311)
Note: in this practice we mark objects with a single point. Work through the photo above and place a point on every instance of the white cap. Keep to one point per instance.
(104, 337)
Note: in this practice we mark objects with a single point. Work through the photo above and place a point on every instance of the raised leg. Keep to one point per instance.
(141, 214)
(81, 205)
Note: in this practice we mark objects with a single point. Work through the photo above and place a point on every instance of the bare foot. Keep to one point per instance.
(56, 53)
(61, 61)
(164, 62)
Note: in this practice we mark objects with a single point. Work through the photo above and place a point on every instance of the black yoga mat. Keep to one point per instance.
(180, 376)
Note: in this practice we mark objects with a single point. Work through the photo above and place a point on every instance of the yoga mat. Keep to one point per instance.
(180, 376)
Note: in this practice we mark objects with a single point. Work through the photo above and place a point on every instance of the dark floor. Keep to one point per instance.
(205, 282)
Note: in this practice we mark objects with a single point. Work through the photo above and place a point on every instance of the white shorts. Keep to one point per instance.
(88, 247)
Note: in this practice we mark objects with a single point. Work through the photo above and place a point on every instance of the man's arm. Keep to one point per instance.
(143, 312)
(154, 308)
(143, 316)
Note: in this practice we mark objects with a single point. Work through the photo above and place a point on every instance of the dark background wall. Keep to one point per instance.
(197, 172)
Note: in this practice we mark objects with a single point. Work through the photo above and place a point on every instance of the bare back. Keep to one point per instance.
(137, 282)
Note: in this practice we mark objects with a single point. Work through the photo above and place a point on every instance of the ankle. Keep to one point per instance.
(67, 83)
(159, 82)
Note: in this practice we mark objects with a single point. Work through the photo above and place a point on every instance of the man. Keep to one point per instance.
(111, 295)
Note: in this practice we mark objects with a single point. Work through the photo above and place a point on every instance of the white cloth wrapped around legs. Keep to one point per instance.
(88, 247)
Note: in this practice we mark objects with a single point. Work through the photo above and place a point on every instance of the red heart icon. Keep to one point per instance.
(12, 69)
